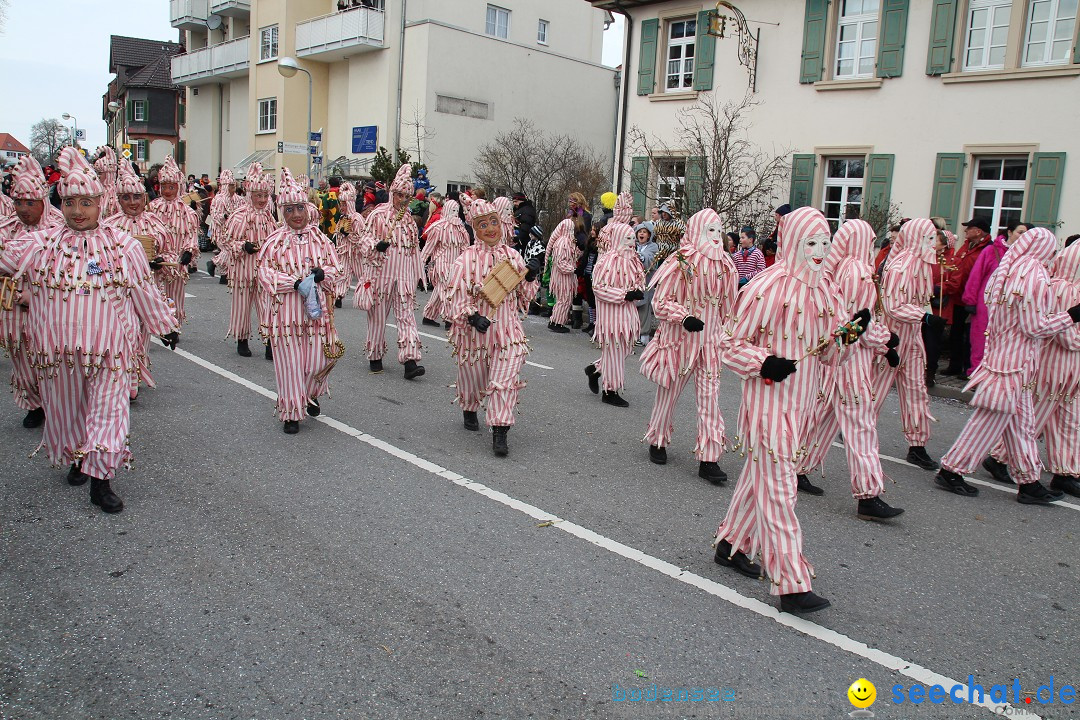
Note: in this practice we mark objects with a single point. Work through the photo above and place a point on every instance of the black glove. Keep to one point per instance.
(318, 273)
(382, 247)
(637, 295)
(250, 249)
(156, 263)
(185, 257)
(894, 341)
(936, 322)
(863, 317)
(479, 322)
(296, 285)
(777, 368)
(892, 357)
(692, 324)
(530, 275)
(171, 339)
(1074, 313)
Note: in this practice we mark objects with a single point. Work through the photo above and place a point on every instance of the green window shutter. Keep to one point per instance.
(639, 184)
(890, 59)
(879, 169)
(704, 52)
(948, 181)
(146, 109)
(1076, 53)
(130, 110)
(802, 180)
(181, 152)
(813, 41)
(695, 184)
(939, 57)
(1044, 188)
(181, 113)
(646, 77)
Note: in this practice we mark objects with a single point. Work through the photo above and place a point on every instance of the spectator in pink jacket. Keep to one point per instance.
(976, 284)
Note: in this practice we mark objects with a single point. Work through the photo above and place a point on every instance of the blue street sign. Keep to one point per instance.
(365, 139)
(316, 137)
(314, 150)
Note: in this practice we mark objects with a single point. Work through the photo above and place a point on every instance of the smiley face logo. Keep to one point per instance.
(862, 693)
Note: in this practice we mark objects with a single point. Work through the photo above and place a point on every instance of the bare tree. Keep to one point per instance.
(545, 167)
(725, 169)
(3, 15)
(418, 132)
(47, 136)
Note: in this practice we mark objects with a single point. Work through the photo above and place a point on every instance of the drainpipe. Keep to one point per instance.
(400, 77)
(221, 126)
(621, 119)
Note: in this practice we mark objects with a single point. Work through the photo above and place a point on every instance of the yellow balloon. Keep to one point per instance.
(862, 693)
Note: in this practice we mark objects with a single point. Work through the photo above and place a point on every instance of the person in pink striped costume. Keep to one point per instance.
(106, 167)
(907, 286)
(446, 238)
(694, 298)
(243, 236)
(618, 281)
(392, 251)
(489, 344)
(32, 212)
(225, 203)
(975, 288)
(90, 287)
(302, 345)
(7, 207)
(563, 253)
(783, 343)
(623, 212)
(348, 243)
(134, 220)
(1023, 313)
(849, 407)
(1057, 384)
(183, 225)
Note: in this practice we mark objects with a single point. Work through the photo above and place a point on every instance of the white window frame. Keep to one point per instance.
(846, 185)
(268, 43)
(542, 31)
(1052, 22)
(271, 117)
(861, 22)
(491, 24)
(999, 187)
(138, 111)
(687, 55)
(671, 187)
(459, 187)
(142, 150)
(996, 12)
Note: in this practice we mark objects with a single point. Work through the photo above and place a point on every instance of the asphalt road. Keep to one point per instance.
(384, 564)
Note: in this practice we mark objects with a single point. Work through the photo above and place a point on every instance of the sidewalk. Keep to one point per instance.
(951, 387)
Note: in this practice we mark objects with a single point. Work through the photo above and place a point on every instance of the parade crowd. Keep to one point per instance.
(818, 324)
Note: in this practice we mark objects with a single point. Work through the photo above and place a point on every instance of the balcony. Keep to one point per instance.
(337, 36)
(234, 8)
(211, 64)
(188, 14)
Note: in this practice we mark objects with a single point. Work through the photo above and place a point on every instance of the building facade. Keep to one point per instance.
(11, 150)
(948, 108)
(384, 72)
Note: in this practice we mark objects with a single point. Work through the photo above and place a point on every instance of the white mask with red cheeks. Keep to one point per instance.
(813, 250)
(626, 238)
(710, 241)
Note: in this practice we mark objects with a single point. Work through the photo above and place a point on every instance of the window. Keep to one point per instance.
(679, 71)
(843, 189)
(268, 115)
(268, 43)
(140, 111)
(541, 32)
(140, 150)
(498, 22)
(987, 34)
(856, 39)
(997, 189)
(1049, 35)
(457, 187)
(671, 183)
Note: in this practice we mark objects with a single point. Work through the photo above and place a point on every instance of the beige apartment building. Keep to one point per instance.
(943, 107)
(464, 70)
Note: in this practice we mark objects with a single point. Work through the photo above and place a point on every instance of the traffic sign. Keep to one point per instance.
(126, 153)
(317, 160)
(80, 134)
(316, 137)
(365, 138)
(289, 148)
(126, 146)
(314, 150)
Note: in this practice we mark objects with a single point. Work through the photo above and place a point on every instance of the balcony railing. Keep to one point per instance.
(235, 8)
(338, 35)
(224, 60)
(188, 14)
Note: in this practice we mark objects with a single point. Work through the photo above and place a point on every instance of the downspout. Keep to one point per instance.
(621, 120)
(221, 126)
(400, 78)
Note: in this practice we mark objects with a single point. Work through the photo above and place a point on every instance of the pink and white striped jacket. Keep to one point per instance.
(287, 256)
(446, 238)
(399, 268)
(563, 254)
(183, 225)
(245, 225)
(13, 234)
(1059, 364)
(617, 272)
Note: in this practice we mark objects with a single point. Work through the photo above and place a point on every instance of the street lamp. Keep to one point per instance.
(75, 126)
(114, 107)
(287, 67)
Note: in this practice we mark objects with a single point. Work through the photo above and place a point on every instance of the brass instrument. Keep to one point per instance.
(8, 292)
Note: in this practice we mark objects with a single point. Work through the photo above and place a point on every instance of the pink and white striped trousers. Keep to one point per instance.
(497, 380)
(612, 363)
(297, 361)
(710, 425)
(24, 381)
(986, 428)
(1058, 420)
(910, 379)
(408, 335)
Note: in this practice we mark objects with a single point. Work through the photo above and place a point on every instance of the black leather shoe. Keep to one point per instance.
(736, 561)
(658, 455)
(594, 379)
(102, 495)
(471, 421)
(446, 324)
(589, 329)
(498, 440)
(808, 487)
(76, 476)
(222, 280)
(292, 427)
(34, 419)
(998, 470)
(210, 268)
(337, 303)
(802, 603)
(711, 471)
(375, 366)
(930, 381)
(242, 348)
(1066, 484)
(412, 370)
(613, 398)
(429, 321)
(1035, 494)
(916, 455)
(876, 509)
(555, 327)
(955, 483)
(269, 353)
(313, 409)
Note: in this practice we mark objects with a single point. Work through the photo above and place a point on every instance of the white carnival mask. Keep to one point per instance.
(812, 251)
(626, 238)
(928, 246)
(710, 242)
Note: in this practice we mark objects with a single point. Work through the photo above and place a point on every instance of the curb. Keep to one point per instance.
(951, 393)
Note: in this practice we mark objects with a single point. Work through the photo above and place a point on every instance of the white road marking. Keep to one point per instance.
(442, 339)
(838, 640)
(187, 295)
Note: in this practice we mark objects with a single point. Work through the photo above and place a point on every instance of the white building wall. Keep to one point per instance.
(238, 134)
(201, 128)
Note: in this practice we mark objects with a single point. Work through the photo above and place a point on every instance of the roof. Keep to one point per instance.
(158, 74)
(10, 144)
(138, 52)
(613, 5)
